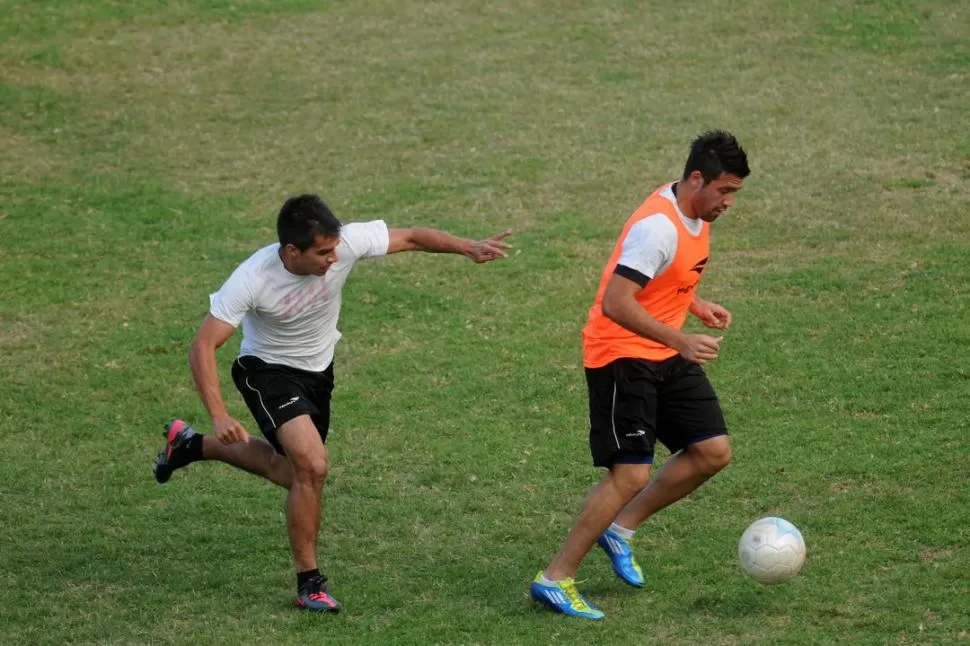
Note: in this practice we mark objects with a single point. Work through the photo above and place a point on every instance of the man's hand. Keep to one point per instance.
(229, 431)
(699, 348)
(711, 314)
(490, 248)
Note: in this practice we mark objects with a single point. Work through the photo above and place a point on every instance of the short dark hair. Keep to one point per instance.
(716, 152)
(304, 217)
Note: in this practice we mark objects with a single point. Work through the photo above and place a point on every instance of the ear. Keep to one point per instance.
(696, 180)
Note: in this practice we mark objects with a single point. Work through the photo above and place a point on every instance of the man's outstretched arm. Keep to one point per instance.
(435, 241)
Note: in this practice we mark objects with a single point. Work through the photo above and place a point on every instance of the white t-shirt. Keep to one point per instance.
(651, 244)
(290, 319)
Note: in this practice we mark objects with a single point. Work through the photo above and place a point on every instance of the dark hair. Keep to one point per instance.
(716, 152)
(302, 218)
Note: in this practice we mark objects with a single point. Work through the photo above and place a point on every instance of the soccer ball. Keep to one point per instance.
(771, 550)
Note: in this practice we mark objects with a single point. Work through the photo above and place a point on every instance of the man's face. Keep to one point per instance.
(713, 199)
(316, 260)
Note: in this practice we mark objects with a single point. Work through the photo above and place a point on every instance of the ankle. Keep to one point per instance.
(195, 448)
(306, 575)
(622, 531)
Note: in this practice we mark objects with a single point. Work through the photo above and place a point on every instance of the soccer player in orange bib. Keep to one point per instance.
(644, 373)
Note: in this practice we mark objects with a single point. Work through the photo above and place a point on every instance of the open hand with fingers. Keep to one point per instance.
(489, 249)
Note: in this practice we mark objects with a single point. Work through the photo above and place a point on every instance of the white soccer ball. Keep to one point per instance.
(771, 550)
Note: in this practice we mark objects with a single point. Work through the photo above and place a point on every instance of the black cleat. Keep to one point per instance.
(177, 436)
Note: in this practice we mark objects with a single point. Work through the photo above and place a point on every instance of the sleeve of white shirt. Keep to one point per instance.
(649, 246)
(233, 299)
(364, 239)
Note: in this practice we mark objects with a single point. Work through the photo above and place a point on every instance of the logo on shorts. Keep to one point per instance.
(292, 399)
(639, 433)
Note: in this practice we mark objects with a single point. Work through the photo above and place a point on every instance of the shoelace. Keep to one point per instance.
(322, 596)
(569, 587)
(316, 589)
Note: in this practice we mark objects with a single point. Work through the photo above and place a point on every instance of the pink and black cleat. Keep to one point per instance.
(178, 435)
(315, 597)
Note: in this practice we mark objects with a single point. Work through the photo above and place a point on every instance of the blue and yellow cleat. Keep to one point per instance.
(621, 554)
(562, 596)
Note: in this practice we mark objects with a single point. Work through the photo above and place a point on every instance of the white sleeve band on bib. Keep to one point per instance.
(650, 246)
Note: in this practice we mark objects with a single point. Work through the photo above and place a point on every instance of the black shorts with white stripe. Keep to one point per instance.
(276, 394)
(635, 402)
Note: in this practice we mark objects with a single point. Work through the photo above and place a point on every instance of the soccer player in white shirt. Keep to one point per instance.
(286, 296)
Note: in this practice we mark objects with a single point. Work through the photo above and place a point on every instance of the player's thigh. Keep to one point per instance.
(622, 403)
(303, 445)
(688, 410)
(276, 394)
(319, 389)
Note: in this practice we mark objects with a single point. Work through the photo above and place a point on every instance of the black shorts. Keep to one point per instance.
(276, 394)
(635, 402)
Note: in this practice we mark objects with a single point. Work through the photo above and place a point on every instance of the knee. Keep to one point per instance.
(712, 455)
(312, 471)
(629, 480)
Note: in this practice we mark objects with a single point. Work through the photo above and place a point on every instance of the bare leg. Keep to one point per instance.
(602, 504)
(257, 456)
(682, 473)
(308, 459)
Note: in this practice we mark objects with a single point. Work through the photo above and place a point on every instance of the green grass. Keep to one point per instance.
(146, 146)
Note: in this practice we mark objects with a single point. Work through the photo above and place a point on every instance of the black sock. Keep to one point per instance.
(303, 577)
(193, 448)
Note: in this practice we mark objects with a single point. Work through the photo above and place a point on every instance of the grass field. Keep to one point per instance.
(145, 147)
